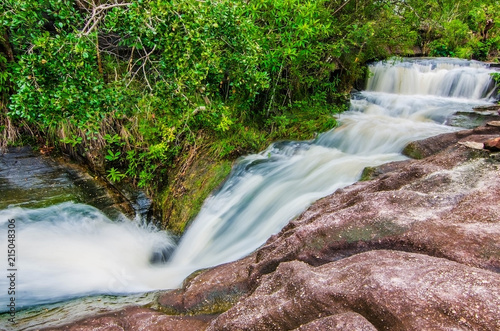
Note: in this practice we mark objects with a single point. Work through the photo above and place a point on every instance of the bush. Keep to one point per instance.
(133, 86)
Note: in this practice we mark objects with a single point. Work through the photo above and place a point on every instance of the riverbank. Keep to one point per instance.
(30, 179)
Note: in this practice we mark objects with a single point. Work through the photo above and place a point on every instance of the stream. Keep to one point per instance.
(67, 247)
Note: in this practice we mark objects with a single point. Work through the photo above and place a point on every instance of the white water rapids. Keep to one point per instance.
(71, 250)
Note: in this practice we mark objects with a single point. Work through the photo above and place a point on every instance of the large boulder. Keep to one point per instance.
(210, 291)
(391, 290)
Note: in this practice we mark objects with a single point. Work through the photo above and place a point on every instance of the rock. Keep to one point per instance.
(494, 123)
(340, 322)
(54, 180)
(369, 173)
(392, 290)
(209, 291)
(495, 107)
(423, 148)
(139, 319)
(493, 144)
(422, 206)
(161, 255)
(472, 144)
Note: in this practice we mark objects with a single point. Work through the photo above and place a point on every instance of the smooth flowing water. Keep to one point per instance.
(70, 250)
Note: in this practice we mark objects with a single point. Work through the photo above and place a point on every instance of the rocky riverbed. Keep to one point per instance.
(415, 246)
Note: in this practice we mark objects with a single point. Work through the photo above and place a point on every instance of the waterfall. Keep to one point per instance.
(267, 190)
(72, 250)
(437, 77)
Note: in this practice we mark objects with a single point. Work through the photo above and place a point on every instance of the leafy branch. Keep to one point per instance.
(97, 14)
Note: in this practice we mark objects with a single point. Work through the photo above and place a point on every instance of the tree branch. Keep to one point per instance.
(340, 8)
(97, 16)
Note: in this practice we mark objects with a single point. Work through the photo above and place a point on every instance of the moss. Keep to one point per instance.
(378, 230)
(489, 252)
(494, 157)
(359, 234)
(217, 303)
(214, 304)
(210, 302)
(319, 242)
(477, 154)
(413, 150)
(367, 174)
(165, 310)
(194, 179)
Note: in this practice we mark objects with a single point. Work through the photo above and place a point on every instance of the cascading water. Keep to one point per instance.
(71, 250)
(402, 103)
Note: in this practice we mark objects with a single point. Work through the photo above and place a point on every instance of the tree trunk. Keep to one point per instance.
(6, 47)
(489, 25)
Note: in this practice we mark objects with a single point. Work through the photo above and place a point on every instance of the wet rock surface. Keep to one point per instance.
(427, 147)
(139, 319)
(495, 107)
(209, 291)
(32, 180)
(414, 247)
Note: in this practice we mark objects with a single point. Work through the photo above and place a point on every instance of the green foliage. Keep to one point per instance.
(55, 72)
(440, 50)
(73, 140)
(496, 77)
(468, 29)
(137, 83)
(4, 76)
(308, 44)
(113, 140)
(112, 156)
(115, 175)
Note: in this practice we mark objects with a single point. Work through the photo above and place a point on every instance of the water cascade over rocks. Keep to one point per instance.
(73, 250)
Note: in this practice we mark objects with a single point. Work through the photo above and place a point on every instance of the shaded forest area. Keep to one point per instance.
(143, 90)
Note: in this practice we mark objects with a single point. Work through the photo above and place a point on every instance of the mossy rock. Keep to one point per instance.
(195, 177)
(414, 151)
(368, 173)
(217, 303)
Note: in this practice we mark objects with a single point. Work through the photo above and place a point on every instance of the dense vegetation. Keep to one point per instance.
(137, 86)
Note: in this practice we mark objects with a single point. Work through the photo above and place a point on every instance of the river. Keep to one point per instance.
(71, 249)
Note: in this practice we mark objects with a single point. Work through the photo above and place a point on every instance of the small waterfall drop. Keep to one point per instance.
(267, 190)
(436, 77)
(72, 250)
